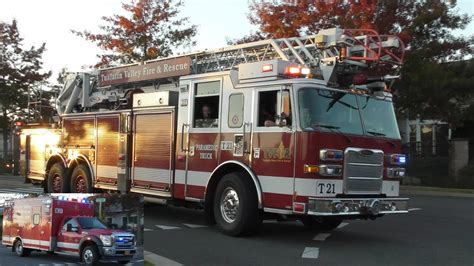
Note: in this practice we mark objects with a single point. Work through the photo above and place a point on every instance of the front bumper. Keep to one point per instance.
(356, 206)
(113, 253)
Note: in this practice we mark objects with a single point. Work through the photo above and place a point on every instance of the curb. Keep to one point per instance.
(436, 191)
(158, 260)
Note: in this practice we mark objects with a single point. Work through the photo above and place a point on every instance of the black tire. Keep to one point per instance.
(123, 261)
(90, 255)
(325, 224)
(81, 180)
(20, 250)
(58, 181)
(247, 218)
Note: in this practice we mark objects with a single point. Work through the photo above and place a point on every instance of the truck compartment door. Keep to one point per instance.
(153, 151)
(107, 150)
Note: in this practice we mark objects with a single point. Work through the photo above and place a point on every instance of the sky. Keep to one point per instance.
(50, 21)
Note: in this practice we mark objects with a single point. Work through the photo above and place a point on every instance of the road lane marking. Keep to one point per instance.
(310, 253)
(414, 209)
(166, 227)
(159, 260)
(321, 236)
(194, 225)
(342, 225)
(146, 229)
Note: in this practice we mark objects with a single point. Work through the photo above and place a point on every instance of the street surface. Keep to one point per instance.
(16, 184)
(8, 258)
(437, 231)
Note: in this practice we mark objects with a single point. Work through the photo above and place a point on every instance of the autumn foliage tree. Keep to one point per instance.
(150, 29)
(425, 26)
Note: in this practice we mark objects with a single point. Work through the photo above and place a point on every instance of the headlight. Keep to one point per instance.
(107, 240)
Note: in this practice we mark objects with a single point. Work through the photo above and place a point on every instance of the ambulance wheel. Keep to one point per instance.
(20, 250)
(57, 179)
(90, 255)
(81, 181)
(235, 205)
(325, 224)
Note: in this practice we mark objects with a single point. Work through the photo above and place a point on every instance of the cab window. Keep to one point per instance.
(206, 104)
(70, 221)
(274, 108)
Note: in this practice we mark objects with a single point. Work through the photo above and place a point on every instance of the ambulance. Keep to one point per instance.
(52, 224)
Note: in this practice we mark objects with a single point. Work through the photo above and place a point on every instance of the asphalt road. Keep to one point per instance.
(8, 258)
(437, 231)
(16, 184)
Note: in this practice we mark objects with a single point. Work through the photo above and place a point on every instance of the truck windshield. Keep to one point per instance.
(335, 111)
(379, 117)
(90, 223)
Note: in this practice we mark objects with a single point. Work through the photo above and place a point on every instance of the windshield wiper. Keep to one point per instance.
(376, 133)
(382, 135)
(333, 129)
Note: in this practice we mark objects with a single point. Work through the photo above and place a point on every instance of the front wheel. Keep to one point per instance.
(90, 255)
(81, 180)
(236, 205)
(20, 250)
(325, 224)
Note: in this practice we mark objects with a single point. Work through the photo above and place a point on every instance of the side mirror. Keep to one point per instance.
(69, 228)
(282, 120)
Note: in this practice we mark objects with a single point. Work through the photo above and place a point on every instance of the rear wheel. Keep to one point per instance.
(325, 224)
(90, 255)
(236, 205)
(20, 250)
(81, 180)
(57, 179)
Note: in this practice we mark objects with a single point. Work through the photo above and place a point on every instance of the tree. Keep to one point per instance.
(425, 26)
(150, 30)
(20, 72)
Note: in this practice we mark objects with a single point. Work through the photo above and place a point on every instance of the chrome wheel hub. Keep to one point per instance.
(88, 256)
(229, 205)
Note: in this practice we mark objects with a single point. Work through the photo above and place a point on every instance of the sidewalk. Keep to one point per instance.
(436, 191)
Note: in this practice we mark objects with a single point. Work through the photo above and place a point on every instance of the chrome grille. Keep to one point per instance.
(363, 171)
(124, 241)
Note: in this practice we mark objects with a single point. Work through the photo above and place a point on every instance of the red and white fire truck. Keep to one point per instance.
(56, 225)
(298, 127)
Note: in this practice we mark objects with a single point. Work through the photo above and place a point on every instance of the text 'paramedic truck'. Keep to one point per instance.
(49, 224)
(298, 127)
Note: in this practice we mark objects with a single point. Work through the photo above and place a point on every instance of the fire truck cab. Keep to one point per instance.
(289, 127)
(64, 226)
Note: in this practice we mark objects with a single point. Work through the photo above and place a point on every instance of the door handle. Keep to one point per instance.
(246, 147)
(185, 149)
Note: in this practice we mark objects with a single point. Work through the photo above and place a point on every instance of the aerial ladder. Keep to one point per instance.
(333, 55)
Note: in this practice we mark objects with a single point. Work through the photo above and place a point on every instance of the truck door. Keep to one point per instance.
(35, 232)
(236, 126)
(273, 145)
(68, 241)
(203, 134)
(153, 151)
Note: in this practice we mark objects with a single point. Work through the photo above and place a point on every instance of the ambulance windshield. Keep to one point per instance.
(341, 112)
(90, 223)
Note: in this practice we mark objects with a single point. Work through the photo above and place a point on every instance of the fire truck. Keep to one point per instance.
(59, 225)
(298, 127)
